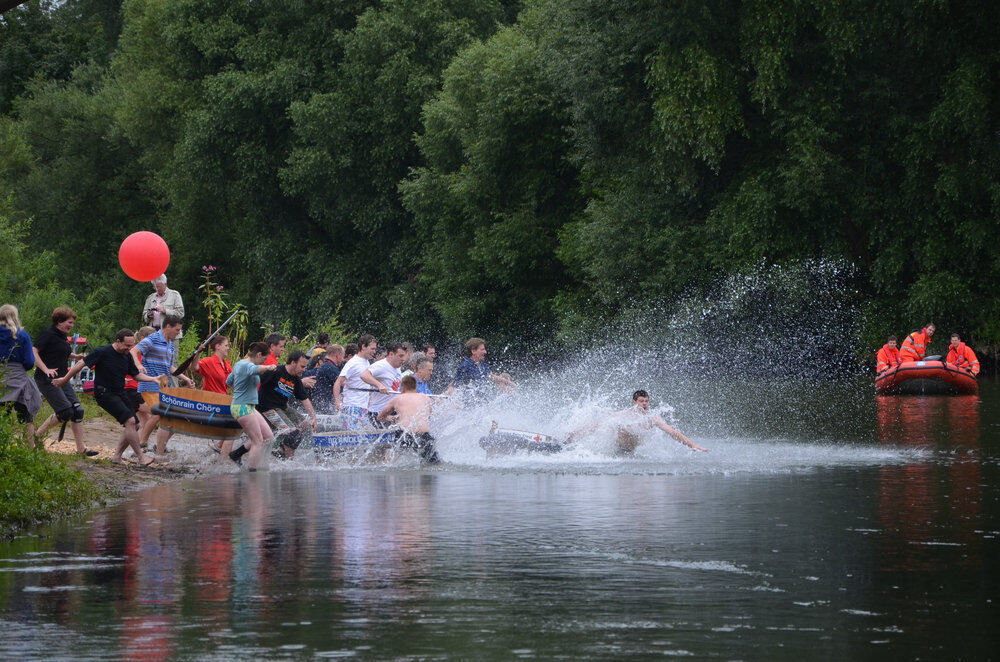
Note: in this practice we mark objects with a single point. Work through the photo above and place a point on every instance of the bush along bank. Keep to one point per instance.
(36, 487)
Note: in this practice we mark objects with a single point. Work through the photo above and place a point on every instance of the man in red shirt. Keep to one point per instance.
(962, 355)
(888, 356)
(276, 345)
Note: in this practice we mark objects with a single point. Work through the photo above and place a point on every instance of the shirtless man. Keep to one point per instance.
(637, 418)
(411, 413)
(634, 420)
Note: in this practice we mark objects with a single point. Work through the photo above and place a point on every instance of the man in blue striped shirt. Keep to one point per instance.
(156, 355)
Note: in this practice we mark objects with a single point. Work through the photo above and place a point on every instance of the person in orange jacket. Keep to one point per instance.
(915, 346)
(962, 355)
(888, 356)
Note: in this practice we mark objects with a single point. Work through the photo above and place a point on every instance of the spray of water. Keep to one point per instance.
(759, 369)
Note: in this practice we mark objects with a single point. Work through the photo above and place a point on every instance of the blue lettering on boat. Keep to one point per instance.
(192, 405)
(346, 440)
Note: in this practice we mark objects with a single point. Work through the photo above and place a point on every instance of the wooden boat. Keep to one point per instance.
(194, 412)
(505, 441)
(928, 377)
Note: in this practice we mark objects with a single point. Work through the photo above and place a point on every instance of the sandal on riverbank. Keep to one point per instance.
(88, 452)
(215, 447)
(147, 461)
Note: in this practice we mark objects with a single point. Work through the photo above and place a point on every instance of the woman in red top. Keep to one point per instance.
(214, 369)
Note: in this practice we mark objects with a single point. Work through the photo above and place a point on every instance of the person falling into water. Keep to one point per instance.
(637, 418)
(410, 412)
(630, 423)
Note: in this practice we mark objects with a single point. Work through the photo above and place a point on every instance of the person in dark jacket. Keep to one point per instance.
(17, 357)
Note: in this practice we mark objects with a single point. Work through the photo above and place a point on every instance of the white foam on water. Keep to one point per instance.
(705, 566)
(55, 589)
(60, 568)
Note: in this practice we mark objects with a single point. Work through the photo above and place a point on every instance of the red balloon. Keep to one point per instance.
(144, 256)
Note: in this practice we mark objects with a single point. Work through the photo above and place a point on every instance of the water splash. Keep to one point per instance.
(744, 369)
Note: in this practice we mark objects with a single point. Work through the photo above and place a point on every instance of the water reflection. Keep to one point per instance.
(930, 505)
(242, 551)
(496, 564)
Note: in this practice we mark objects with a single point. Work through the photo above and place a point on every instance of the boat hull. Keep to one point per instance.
(926, 378)
(340, 441)
(506, 442)
(194, 412)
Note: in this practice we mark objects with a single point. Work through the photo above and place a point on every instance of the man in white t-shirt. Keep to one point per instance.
(350, 393)
(384, 376)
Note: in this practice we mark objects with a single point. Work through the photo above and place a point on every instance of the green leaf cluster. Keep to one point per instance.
(526, 171)
(35, 487)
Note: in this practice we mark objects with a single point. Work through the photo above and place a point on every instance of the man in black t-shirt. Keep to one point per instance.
(276, 387)
(111, 364)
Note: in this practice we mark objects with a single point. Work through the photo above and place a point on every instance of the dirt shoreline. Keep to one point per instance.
(117, 481)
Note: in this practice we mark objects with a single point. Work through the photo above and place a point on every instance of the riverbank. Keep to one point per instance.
(39, 486)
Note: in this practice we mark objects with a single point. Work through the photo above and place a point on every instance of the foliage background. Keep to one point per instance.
(526, 171)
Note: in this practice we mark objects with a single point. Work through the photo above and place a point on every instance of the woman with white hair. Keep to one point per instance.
(161, 302)
(17, 390)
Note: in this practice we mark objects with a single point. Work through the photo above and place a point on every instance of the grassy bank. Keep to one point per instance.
(35, 486)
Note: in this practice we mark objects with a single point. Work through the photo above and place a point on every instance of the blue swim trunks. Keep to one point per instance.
(355, 418)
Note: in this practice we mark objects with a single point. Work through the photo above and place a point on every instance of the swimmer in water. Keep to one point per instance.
(631, 422)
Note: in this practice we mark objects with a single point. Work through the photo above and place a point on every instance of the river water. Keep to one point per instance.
(823, 523)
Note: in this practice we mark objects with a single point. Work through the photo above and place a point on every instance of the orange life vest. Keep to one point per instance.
(963, 357)
(914, 348)
(886, 358)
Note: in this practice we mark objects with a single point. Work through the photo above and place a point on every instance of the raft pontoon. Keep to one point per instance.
(929, 377)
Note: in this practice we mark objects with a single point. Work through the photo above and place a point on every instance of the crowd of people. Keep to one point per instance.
(914, 348)
(369, 384)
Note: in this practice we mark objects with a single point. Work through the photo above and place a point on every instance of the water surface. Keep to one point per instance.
(840, 526)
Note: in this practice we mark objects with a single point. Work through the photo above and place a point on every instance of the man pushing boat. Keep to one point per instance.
(410, 412)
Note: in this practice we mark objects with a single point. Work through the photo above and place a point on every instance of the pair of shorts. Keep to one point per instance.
(423, 443)
(239, 411)
(286, 425)
(62, 399)
(117, 404)
(133, 398)
(355, 418)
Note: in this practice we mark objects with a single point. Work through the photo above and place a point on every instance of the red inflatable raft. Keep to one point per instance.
(926, 378)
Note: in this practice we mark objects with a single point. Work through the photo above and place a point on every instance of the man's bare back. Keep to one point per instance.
(410, 411)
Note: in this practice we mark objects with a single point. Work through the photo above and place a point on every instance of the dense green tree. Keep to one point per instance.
(49, 39)
(495, 192)
(354, 143)
(532, 171)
